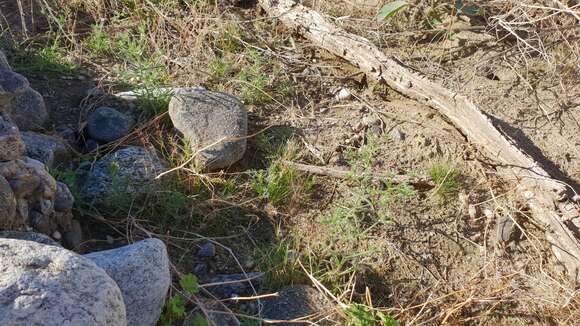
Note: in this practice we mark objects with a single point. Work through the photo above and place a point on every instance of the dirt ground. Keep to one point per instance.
(435, 261)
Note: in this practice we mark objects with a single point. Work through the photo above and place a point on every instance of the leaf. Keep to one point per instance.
(387, 320)
(472, 10)
(199, 320)
(176, 306)
(391, 9)
(189, 283)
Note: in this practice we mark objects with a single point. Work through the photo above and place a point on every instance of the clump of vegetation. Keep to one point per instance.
(280, 183)
(361, 315)
(446, 177)
(46, 60)
(280, 262)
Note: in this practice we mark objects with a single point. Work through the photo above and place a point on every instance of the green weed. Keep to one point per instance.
(360, 315)
(280, 183)
(230, 41)
(153, 101)
(98, 42)
(281, 265)
(446, 177)
(49, 60)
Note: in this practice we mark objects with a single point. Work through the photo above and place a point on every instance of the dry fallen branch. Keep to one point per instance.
(417, 182)
(544, 195)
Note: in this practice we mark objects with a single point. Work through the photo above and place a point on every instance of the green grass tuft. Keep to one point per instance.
(446, 177)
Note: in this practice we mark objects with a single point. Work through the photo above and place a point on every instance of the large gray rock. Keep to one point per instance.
(207, 118)
(293, 302)
(106, 124)
(11, 144)
(51, 151)
(28, 110)
(142, 272)
(130, 170)
(48, 285)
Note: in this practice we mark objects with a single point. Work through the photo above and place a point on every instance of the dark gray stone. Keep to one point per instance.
(63, 199)
(91, 145)
(28, 110)
(505, 229)
(142, 272)
(241, 287)
(293, 302)
(200, 270)
(11, 85)
(397, 134)
(206, 250)
(51, 151)
(29, 236)
(132, 168)
(51, 286)
(106, 124)
(209, 118)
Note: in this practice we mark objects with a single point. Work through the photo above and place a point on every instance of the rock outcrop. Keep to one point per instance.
(27, 191)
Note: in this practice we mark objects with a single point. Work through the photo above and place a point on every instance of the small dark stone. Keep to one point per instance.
(207, 250)
(91, 145)
(293, 302)
(240, 288)
(397, 135)
(505, 229)
(106, 124)
(64, 199)
(200, 270)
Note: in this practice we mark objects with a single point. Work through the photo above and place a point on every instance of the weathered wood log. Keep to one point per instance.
(544, 195)
(420, 183)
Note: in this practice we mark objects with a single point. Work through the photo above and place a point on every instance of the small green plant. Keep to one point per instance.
(70, 178)
(188, 283)
(280, 183)
(391, 9)
(281, 265)
(361, 315)
(175, 305)
(220, 68)
(446, 177)
(153, 101)
(48, 60)
(98, 42)
(230, 41)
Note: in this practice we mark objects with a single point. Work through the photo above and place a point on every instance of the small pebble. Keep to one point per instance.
(200, 270)
(206, 250)
(473, 211)
(397, 135)
(91, 145)
(57, 235)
